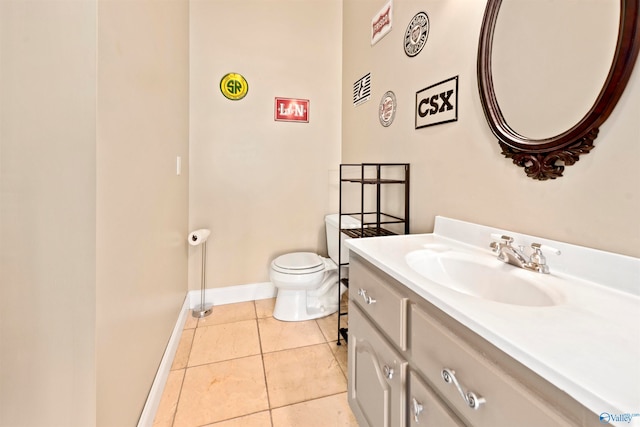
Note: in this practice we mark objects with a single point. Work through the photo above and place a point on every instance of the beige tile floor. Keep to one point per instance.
(240, 367)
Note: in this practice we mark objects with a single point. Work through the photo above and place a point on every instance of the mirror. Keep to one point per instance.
(536, 51)
(580, 95)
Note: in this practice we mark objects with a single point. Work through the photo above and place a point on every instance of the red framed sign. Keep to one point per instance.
(291, 110)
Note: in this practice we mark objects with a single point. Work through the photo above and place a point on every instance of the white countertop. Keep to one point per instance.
(588, 345)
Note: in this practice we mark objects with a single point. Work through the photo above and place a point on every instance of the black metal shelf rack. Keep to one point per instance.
(373, 220)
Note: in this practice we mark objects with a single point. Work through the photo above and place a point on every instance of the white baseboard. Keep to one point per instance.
(155, 394)
(215, 296)
(233, 294)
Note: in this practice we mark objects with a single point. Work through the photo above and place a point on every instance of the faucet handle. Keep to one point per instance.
(538, 248)
(497, 247)
(537, 260)
(498, 236)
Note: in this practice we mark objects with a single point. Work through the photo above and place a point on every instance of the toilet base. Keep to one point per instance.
(299, 305)
(291, 306)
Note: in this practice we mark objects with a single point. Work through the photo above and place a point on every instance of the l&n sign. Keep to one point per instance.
(291, 110)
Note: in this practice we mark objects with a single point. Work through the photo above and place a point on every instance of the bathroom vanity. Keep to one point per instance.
(426, 349)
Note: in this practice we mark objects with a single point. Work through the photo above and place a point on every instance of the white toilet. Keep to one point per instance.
(308, 283)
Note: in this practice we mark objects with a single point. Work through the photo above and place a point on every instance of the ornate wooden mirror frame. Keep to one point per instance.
(546, 158)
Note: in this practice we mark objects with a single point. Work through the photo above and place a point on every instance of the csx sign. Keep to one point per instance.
(437, 103)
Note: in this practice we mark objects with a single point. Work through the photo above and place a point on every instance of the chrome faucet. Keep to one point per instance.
(515, 256)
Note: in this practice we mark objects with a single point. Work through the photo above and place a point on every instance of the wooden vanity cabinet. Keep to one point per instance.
(392, 328)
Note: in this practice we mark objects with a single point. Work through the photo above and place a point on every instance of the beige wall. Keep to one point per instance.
(141, 202)
(47, 213)
(262, 187)
(457, 169)
(93, 218)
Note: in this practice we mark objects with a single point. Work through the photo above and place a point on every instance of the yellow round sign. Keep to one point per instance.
(234, 86)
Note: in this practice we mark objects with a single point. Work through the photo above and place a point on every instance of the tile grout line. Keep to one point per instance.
(295, 348)
(264, 369)
(255, 319)
(184, 374)
(325, 340)
(210, 362)
(231, 419)
(310, 400)
(173, 418)
(335, 356)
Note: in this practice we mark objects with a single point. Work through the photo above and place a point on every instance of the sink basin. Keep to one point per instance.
(483, 277)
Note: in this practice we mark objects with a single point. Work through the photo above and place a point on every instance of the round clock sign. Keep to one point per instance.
(233, 86)
(416, 35)
(387, 109)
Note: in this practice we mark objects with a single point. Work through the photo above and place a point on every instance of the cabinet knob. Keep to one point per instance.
(471, 399)
(387, 371)
(417, 409)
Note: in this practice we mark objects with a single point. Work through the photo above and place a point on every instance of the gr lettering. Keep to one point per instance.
(436, 107)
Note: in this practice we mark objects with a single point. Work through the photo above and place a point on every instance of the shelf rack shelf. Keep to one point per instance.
(374, 220)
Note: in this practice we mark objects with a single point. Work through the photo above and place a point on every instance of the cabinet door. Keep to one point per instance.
(376, 375)
(425, 409)
(379, 300)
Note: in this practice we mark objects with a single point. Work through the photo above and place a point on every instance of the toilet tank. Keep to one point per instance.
(331, 222)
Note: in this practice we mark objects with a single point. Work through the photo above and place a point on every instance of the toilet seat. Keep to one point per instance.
(298, 263)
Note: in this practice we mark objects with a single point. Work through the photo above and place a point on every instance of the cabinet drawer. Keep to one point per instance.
(424, 408)
(506, 402)
(384, 304)
(377, 374)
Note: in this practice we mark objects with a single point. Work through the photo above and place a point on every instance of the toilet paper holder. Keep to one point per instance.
(197, 238)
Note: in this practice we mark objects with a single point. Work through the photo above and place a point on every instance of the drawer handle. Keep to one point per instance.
(471, 399)
(387, 371)
(417, 409)
(367, 298)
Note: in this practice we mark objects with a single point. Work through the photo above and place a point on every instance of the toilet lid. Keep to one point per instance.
(298, 261)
